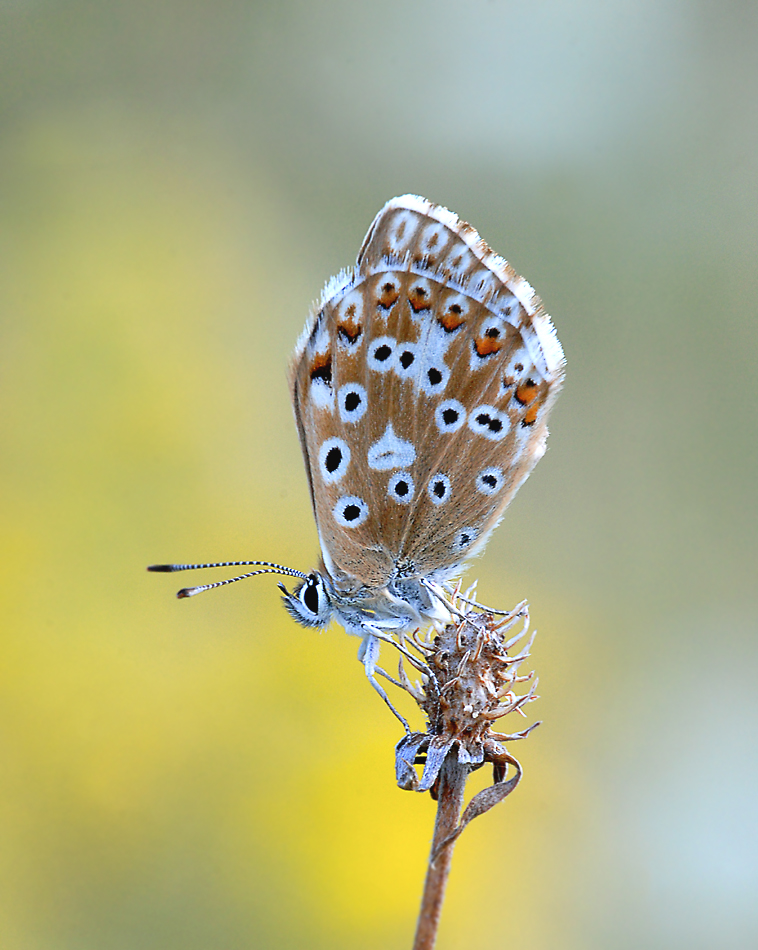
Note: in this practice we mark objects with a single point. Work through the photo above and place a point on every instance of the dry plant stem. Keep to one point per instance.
(452, 785)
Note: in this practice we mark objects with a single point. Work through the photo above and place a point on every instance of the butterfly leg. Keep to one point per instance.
(368, 654)
(516, 612)
(438, 592)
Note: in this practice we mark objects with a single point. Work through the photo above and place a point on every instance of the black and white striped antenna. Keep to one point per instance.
(269, 567)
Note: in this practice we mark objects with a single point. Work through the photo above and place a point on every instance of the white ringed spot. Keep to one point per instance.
(493, 323)
(401, 488)
(453, 312)
(450, 415)
(434, 378)
(350, 511)
(464, 539)
(406, 360)
(333, 460)
(386, 291)
(352, 402)
(381, 353)
(490, 422)
(438, 488)
(490, 480)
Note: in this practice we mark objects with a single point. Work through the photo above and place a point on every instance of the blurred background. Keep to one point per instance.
(177, 182)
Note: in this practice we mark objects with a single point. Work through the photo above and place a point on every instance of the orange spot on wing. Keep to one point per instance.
(486, 345)
(526, 392)
(321, 368)
(452, 319)
(418, 298)
(389, 292)
(530, 416)
(350, 329)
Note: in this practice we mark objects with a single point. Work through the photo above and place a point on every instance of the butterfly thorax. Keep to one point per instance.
(404, 603)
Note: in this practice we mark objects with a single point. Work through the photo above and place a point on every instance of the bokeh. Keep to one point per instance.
(177, 182)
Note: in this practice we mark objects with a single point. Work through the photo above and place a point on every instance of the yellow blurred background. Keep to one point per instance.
(177, 182)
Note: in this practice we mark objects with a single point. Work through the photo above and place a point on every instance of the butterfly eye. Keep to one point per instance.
(309, 604)
(312, 593)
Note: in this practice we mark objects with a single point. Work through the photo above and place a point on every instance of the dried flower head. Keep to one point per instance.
(468, 684)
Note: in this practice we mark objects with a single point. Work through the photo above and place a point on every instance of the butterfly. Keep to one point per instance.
(421, 388)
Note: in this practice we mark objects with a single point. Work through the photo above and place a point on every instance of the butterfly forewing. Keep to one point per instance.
(421, 390)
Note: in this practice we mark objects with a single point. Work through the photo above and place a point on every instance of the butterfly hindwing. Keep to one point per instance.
(421, 389)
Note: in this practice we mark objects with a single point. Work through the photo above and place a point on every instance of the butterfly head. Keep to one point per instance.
(309, 603)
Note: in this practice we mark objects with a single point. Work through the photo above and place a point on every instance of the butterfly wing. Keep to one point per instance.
(421, 389)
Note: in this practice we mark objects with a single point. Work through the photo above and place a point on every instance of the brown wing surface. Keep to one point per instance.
(421, 388)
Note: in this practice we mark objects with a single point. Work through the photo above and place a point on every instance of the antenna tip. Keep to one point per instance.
(163, 568)
(186, 592)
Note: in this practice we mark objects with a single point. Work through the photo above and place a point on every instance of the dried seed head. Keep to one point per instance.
(468, 686)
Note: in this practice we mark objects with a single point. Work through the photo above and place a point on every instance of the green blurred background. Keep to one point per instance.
(177, 182)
